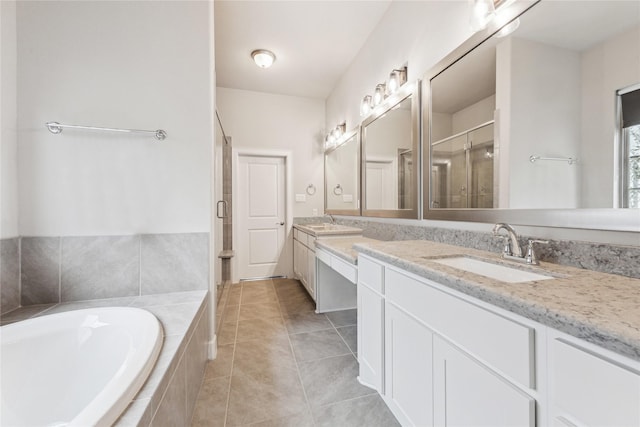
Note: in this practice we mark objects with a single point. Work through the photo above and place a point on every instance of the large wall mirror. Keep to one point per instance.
(342, 176)
(540, 126)
(390, 157)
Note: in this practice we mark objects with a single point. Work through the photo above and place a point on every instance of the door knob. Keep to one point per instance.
(280, 223)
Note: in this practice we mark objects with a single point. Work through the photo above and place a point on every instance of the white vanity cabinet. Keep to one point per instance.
(439, 354)
(304, 260)
(444, 358)
(466, 393)
(589, 386)
(370, 308)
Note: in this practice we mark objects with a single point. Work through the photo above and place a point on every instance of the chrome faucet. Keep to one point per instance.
(511, 244)
(333, 220)
(512, 248)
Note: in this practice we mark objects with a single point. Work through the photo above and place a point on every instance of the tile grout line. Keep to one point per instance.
(295, 360)
(342, 338)
(233, 354)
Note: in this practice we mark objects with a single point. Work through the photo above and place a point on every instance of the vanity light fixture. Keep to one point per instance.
(263, 58)
(366, 106)
(482, 12)
(333, 137)
(396, 79)
(379, 94)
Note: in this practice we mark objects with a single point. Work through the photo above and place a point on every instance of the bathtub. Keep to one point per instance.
(79, 368)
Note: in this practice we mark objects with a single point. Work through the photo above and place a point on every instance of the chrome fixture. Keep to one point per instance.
(380, 94)
(530, 257)
(331, 218)
(396, 79)
(55, 127)
(366, 106)
(311, 189)
(337, 190)
(511, 245)
(263, 58)
(569, 160)
(334, 136)
(511, 250)
(482, 12)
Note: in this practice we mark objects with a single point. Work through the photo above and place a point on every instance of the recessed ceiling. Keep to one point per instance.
(314, 43)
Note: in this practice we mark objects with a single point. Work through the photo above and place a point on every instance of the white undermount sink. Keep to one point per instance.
(492, 270)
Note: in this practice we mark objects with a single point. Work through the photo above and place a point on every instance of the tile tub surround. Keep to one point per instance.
(596, 307)
(61, 269)
(605, 258)
(9, 274)
(168, 396)
(287, 367)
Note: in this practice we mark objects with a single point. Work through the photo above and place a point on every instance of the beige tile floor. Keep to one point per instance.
(281, 364)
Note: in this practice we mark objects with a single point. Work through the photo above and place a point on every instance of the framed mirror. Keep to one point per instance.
(527, 127)
(391, 158)
(342, 176)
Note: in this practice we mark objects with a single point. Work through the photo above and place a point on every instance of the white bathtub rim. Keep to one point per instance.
(112, 413)
(113, 399)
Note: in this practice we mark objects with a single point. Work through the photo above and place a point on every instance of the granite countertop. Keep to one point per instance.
(600, 308)
(327, 229)
(342, 247)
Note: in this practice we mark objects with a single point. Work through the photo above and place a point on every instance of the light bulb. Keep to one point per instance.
(378, 95)
(393, 82)
(509, 28)
(482, 11)
(365, 106)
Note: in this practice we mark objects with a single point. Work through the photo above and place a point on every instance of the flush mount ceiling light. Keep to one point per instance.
(263, 58)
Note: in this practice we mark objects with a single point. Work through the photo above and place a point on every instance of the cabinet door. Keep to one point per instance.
(468, 394)
(297, 249)
(311, 273)
(370, 337)
(590, 390)
(408, 368)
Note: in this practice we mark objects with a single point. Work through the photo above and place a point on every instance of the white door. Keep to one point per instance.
(380, 185)
(261, 216)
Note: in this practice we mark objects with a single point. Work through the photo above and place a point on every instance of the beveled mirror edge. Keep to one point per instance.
(408, 90)
(613, 219)
(347, 212)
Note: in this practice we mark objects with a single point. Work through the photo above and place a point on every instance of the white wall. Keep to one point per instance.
(607, 67)
(129, 64)
(415, 33)
(263, 121)
(8, 122)
(544, 120)
(473, 115)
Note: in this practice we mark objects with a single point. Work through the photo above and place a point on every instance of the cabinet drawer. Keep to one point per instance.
(503, 344)
(324, 257)
(370, 274)
(345, 269)
(592, 390)
(311, 242)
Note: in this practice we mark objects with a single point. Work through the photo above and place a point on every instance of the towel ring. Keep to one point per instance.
(311, 189)
(337, 190)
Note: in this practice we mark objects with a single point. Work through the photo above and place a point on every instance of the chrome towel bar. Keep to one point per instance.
(569, 160)
(55, 127)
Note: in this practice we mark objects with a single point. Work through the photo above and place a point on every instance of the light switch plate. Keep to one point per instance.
(301, 197)
(347, 198)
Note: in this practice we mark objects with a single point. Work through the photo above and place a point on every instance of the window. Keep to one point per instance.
(630, 133)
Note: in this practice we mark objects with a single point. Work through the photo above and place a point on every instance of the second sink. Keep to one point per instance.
(491, 270)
